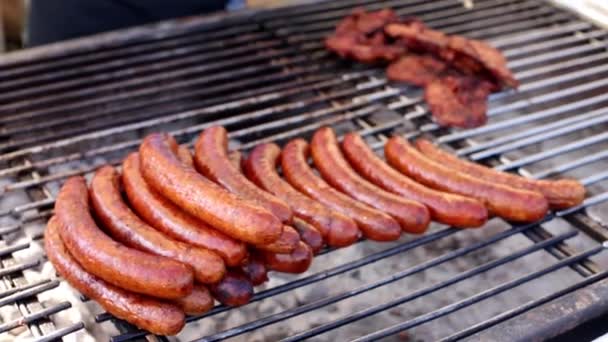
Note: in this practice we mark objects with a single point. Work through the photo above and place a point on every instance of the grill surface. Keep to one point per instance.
(67, 109)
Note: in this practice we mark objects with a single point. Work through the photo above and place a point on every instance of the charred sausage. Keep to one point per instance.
(337, 229)
(308, 234)
(234, 290)
(507, 202)
(447, 208)
(153, 315)
(111, 261)
(286, 243)
(255, 269)
(297, 261)
(197, 302)
(374, 224)
(163, 215)
(128, 228)
(181, 184)
(328, 159)
(211, 159)
(561, 194)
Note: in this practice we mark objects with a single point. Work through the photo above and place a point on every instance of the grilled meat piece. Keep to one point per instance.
(418, 70)
(360, 36)
(458, 101)
(470, 56)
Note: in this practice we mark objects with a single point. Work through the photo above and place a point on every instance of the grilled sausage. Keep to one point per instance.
(153, 315)
(211, 159)
(163, 215)
(129, 229)
(255, 269)
(183, 153)
(197, 302)
(236, 158)
(451, 209)
(504, 201)
(337, 229)
(374, 224)
(297, 261)
(111, 261)
(561, 194)
(286, 243)
(234, 290)
(308, 234)
(328, 159)
(181, 184)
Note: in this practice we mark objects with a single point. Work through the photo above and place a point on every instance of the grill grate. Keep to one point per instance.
(266, 77)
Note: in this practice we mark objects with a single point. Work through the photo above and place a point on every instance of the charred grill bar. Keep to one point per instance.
(67, 109)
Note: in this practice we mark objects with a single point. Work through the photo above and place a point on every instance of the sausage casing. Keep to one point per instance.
(211, 159)
(255, 269)
(128, 228)
(203, 199)
(447, 208)
(374, 224)
(328, 159)
(165, 216)
(561, 194)
(286, 243)
(337, 229)
(151, 314)
(113, 262)
(507, 202)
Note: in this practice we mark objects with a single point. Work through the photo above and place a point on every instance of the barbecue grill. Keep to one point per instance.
(70, 107)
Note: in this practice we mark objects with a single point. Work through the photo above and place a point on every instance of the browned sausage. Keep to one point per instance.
(504, 201)
(211, 159)
(286, 243)
(111, 261)
(236, 158)
(153, 315)
(451, 209)
(297, 261)
(337, 229)
(234, 290)
(163, 215)
(374, 224)
(308, 234)
(412, 216)
(128, 228)
(561, 194)
(197, 302)
(184, 154)
(238, 218)
(255, 269)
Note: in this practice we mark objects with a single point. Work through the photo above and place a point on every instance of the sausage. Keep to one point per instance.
(374, 224)
(412, 216)
(507, 202)
(236, 158)
(255, 269)
(308, 234)
(197, 302)
(297, 261)
(286, 243)
(163, 215)
(234, 290)
(183, 153)
(150, 314)
(211, 159)
(189, 190)
(128, 228)
(451, 209)
(561, 194)
(260, 167)
(113, 262)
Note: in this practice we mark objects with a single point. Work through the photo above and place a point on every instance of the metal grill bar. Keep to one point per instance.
(477, 298)
(526, 307)
(397, 276)
(34, 316)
